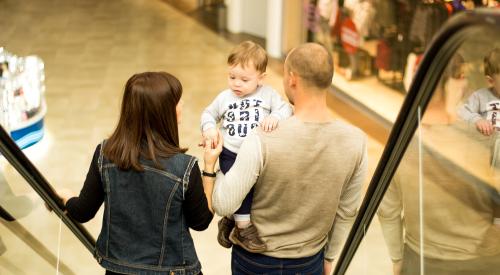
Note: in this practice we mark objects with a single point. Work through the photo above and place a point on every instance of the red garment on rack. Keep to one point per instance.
(383, 58)
(349, 36)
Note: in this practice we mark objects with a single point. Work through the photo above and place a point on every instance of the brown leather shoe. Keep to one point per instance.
(225, 226)
(248, 238)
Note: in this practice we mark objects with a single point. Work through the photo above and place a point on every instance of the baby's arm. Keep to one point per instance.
(209, 119)
(470, 112)
(280, 109)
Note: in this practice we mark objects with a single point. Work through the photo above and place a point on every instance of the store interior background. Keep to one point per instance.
(90, 48)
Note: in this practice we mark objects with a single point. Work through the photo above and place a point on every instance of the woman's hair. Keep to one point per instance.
(248, 52)
(148, 121)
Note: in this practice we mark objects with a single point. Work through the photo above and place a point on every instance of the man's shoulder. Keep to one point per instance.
(284, 125)
(348, 128)
(293, 126)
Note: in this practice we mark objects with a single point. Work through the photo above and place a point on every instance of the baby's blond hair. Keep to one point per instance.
(248, 52)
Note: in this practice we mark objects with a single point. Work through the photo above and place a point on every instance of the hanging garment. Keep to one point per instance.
(411, 68)
(350, 4)
(325, 8)
(426, 22)
(362, 16)
(335, 20)
(383, 58)
(335, 16)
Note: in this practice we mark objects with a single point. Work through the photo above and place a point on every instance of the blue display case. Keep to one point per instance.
(22, 101)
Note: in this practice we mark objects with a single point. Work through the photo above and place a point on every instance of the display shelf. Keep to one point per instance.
(22, 103)
(31, 131)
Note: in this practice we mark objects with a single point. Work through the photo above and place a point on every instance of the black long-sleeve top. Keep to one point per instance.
(84, 207)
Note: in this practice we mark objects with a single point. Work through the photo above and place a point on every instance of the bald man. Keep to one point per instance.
(307, 176)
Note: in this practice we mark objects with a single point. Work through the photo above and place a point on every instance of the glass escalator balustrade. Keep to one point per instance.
(29, 234)
(441, 211)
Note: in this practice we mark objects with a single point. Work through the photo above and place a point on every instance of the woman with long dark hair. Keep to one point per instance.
(152, 191)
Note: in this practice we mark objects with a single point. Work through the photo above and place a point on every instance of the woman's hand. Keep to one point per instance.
(212, 153)
(65, 194)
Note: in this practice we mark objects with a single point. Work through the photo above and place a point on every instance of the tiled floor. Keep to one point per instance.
(90, 49)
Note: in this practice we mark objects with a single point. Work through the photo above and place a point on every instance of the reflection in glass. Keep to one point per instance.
(18, 206)
(441, 212)
(440, 209)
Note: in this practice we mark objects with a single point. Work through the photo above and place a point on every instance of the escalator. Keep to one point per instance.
(435, 189)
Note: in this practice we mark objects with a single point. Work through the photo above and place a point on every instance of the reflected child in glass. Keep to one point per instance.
(483, 106)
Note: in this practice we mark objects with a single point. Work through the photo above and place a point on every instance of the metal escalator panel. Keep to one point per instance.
(433, 205)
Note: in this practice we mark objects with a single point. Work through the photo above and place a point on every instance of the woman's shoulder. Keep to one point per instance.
(182, 158)
(186, 156)
(180, 164)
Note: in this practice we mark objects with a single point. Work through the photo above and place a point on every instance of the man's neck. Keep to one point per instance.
(313, 108)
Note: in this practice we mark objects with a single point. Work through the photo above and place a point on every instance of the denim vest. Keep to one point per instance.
(144, 230)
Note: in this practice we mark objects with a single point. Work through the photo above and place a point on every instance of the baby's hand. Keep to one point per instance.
(269, 123)
(211, 137)
(484, 127)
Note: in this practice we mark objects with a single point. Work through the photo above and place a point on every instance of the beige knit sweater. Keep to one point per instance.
(307, 180)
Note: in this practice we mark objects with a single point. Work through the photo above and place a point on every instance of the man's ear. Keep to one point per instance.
(292, 80)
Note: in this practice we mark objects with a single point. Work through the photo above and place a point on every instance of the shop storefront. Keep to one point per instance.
(377, 45)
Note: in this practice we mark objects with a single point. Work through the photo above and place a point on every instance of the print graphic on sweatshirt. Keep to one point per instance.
(242, 116)
(493, 113)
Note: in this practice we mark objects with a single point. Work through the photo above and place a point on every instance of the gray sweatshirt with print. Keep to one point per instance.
(483, 103)
(239, 115)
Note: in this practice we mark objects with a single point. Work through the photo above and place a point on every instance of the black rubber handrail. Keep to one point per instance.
(435, 60)
(10, 150)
